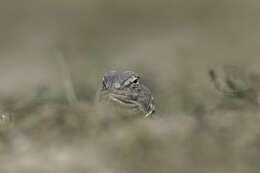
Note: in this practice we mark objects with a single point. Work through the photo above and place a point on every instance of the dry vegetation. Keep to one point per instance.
(171, 43)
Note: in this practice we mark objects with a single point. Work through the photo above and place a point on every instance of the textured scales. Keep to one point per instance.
(125, 89)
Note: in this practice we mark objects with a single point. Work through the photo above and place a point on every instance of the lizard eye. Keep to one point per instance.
(132, 81)
(136, 81)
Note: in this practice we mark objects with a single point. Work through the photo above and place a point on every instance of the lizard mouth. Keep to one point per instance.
(127, 101)
(121, 99)
(131, 103)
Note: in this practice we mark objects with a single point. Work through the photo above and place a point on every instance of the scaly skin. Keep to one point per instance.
(125, 89)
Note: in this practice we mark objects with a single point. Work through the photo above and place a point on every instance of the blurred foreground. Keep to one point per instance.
(172, 44)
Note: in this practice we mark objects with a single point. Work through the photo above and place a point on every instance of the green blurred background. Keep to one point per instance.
(171, 43)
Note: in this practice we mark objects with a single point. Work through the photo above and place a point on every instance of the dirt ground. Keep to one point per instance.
(172, 44)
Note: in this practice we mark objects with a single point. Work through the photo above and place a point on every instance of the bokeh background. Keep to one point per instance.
(171, 43)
